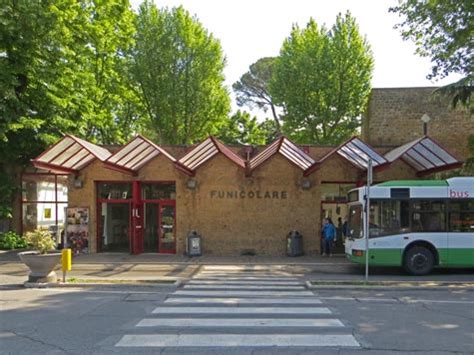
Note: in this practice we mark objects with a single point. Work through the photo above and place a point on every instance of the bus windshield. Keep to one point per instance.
(355, 222)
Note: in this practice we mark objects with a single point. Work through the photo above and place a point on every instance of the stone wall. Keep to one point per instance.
(393, 118)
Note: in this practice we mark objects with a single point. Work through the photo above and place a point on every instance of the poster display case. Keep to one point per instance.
(77, 229)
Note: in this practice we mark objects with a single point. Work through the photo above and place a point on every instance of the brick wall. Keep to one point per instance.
(393, 118)
(230, 224)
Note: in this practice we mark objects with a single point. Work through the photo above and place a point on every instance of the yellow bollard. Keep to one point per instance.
(66, 262)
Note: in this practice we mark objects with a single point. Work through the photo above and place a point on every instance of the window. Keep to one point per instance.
(428, 216)
(44, 199)
(114, 210)
(353, 196)
(115, 191)
(355, 222)
(389, 217)
(400, 193)
(461, 216)
(158, 191)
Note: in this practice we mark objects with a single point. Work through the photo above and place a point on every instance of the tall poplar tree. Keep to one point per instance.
(178, 66)
(322, 80)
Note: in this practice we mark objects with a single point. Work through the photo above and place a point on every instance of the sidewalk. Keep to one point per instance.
(121, 266)
(163, 266)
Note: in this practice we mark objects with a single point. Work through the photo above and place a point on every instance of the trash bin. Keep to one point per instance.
(294, 244)
(194, 244)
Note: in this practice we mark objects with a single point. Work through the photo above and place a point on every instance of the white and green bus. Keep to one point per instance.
(417, 224)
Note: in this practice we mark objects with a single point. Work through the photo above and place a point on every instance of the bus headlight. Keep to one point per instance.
(357, 252)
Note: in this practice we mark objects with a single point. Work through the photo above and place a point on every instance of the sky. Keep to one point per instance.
(253, 29)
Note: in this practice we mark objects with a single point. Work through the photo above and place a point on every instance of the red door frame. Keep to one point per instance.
(137, 240)
(136, 217)
(99, 202)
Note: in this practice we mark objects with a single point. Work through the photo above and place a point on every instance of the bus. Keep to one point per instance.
(414, 224)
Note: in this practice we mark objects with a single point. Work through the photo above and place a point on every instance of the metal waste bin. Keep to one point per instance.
(294, 244)
(194, 244)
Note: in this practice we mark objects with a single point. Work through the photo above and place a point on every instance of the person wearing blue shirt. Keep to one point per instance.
(329, 236)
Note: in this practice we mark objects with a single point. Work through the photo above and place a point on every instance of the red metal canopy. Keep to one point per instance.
(70, 155)
(204, 151)
(425, 156)
(286, 148)
(135, 154)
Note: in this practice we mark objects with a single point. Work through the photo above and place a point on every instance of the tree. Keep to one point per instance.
(443, 31)
(61, 72)
(252, 90)
(322, 79)
(178, 66)
(241, 128)
(61, 64)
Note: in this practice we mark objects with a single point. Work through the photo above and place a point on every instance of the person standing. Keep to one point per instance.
(329, 236)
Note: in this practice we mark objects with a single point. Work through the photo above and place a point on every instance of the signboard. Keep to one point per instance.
(77, 229)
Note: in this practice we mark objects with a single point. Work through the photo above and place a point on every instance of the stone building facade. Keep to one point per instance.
(393, 117)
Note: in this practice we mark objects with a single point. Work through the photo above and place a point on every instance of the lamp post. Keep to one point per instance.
(367, 217)
(425, 119)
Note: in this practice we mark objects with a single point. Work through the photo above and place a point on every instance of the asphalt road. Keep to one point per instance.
(98, 320)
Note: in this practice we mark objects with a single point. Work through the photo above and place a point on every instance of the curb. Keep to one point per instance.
(28, 284)
(396, 286)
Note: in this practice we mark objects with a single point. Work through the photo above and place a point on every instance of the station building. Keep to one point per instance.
(145, 198)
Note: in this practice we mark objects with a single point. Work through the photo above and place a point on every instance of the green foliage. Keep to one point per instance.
(7, 191)
(61, 65)
(40, 240)
(241, 128)
(252, 90)
(459, 92)
(442, 30)
(62, 70)
(11, 240)
(322, 79)
(178, 66)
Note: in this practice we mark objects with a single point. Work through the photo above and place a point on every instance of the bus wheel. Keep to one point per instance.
(418, 260)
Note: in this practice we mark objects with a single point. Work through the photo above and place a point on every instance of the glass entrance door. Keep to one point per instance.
(167, 220)
(151, 227)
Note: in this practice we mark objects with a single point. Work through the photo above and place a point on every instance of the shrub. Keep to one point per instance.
(40, 240)
(11, 240)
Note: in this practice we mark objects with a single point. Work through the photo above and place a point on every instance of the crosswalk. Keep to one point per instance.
(240, 307)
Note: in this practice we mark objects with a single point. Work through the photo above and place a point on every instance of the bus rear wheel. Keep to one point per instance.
(418, 260)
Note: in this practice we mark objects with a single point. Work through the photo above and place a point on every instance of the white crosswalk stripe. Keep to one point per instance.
(248, 300)
(223, 306)
(246, 287)
(241, 310)
(243, 282)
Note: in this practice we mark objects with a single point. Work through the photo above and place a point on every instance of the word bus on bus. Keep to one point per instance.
(415, 224)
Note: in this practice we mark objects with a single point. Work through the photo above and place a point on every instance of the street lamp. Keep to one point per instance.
(425, 119)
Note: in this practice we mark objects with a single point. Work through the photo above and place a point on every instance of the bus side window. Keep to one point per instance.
(405, 215)
(461, 216)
